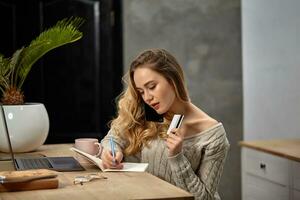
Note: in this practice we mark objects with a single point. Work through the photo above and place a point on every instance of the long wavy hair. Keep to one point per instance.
(130, 123)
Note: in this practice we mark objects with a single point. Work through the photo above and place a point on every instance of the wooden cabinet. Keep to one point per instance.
(266, 176)
(295, 180)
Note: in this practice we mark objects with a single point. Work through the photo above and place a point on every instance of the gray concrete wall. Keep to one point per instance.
(205, 36)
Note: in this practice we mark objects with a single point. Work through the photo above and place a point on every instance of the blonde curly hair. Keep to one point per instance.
(130, 123)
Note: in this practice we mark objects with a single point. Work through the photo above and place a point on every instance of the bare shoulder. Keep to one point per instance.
(207, 123)
(198, 122)
(203, 121)
(196, 126)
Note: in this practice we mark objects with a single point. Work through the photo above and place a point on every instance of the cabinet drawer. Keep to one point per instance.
(296, 175)
(257, 188)
(267, 166)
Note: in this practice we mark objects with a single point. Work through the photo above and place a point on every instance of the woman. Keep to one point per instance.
(192, 157)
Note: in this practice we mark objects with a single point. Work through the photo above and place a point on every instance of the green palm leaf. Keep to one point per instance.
(14, 62)
(14, 70)
(4, 72)
(64, 32)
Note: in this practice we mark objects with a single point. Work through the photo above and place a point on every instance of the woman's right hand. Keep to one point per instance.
(108, 161)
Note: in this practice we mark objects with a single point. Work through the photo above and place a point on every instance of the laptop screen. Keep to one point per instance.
(66, 163)
(6, 133)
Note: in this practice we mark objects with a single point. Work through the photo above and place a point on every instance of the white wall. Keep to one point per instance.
(271, 68)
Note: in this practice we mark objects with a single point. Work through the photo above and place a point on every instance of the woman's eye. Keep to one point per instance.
(152, 87)
(141, 92)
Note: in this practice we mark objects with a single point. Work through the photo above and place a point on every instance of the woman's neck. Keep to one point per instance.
(178, 107)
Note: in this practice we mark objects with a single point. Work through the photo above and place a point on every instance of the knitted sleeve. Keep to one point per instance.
(120, 144)
(204, 182)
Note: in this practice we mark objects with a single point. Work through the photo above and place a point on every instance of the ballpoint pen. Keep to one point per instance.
(112, 146)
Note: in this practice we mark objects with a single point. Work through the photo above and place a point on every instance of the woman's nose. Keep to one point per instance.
(148, 97)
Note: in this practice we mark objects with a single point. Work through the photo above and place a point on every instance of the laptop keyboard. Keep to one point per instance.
(36, 163)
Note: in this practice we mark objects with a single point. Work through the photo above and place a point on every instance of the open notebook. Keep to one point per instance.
(127, 166)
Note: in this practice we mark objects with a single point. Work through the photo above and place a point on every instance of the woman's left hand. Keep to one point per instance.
(174, 142)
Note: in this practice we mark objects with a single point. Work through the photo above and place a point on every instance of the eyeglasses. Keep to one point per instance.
(87, 178)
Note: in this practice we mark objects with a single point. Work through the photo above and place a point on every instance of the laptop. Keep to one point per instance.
(52, 163)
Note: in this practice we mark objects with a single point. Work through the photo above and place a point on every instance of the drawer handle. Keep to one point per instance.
(262, 166)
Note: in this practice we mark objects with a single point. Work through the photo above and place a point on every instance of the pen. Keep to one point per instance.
(112, 146)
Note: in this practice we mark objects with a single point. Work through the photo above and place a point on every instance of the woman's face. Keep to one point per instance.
(155, 90)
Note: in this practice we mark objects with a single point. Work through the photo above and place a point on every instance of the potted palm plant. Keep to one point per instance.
(28, 123)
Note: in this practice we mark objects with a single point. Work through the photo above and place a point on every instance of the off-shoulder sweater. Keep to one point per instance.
(196, 169)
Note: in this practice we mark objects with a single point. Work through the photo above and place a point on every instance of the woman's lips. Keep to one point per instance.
(155, 106)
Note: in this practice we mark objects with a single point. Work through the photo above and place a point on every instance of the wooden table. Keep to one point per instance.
(118, 185)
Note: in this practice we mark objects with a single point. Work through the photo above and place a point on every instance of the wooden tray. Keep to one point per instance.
(28, 180)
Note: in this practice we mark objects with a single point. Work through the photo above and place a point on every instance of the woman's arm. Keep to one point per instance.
(119, 144)
(204, 182)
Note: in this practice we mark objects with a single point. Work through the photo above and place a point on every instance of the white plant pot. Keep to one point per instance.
(28, 127)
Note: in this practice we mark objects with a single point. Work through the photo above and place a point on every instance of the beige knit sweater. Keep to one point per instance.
(197, 169)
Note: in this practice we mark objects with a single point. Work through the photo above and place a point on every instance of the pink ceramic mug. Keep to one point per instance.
(88, 145)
